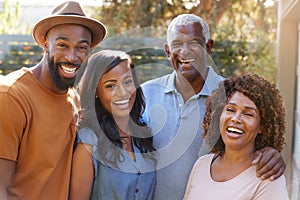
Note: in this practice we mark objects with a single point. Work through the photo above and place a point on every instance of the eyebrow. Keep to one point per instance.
(113, 80)
(247, 107)
(110, 80)
(68, 39)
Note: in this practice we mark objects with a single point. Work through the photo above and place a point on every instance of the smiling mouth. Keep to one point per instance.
(69, 70)
(235, 130)
(121, 102)
(186, 61)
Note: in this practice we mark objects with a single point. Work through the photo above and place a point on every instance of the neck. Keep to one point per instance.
(126, 137)
(188, 88)
(123, 126)
(230, 165)
(238, 156)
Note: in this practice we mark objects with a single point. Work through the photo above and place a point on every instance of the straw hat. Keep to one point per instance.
(69, 12)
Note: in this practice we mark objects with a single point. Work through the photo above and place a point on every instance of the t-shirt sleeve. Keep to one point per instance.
(88, 136)
(196, 172)
(275, 190)
(12, 125)
(190, 180)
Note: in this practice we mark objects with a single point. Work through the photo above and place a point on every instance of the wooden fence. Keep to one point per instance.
(18, 51)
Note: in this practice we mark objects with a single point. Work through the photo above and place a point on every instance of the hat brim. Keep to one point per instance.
(97, 29)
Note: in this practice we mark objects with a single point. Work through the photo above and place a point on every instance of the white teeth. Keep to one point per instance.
(68, 70)
(122, 102)
(235, 130)
(187, 61)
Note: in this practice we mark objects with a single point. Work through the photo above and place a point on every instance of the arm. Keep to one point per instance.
(7, 170)
(270, 163)
(82, 172)
(12, 123)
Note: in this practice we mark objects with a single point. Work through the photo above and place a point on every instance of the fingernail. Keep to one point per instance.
(263, 177)
(272, 178)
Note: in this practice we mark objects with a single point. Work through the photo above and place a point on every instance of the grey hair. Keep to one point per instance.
(187, 19)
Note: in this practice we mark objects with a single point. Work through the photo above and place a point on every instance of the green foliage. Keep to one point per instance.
(245, 40)
(10, 20)
(244, 31)
(122, 15)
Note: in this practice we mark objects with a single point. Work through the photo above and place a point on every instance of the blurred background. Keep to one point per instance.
(244, 31)
(253, 36)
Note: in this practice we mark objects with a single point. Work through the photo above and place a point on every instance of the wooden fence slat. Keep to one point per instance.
(18, 51)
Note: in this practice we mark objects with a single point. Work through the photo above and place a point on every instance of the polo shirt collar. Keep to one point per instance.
(211, 83)
(170, 87)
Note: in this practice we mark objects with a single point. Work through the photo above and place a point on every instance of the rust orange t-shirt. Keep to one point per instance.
(37, 131)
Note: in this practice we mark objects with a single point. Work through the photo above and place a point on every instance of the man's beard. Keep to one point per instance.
(61, 83)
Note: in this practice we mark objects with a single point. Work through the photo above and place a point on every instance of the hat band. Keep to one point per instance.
(72, 14)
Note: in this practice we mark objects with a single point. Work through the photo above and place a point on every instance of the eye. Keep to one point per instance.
(128, 81)
(194, 42)
(249, 114)
(176, 44)
(83, 48)
(110, 86)
(63, 45)
(229, 109)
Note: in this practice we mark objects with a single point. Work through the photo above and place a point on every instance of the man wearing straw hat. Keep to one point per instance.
(37, 124)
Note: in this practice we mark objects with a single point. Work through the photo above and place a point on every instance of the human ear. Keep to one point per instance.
(260, 130)
(96, 95)
(167, 50)
(46, 47)
(209, 45)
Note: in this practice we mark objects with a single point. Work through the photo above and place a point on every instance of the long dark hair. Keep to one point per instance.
(110, 150)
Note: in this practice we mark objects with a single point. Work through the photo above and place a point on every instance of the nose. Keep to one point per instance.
(72, 55)
(236, 118)
(185, 48)
(121, 90)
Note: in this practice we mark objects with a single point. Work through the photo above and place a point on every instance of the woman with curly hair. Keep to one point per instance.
(248, 113)
(113, 158)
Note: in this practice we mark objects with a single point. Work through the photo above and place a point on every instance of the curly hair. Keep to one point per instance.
(267, 99)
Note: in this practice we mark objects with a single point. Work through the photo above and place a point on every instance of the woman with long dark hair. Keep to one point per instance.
(113, 157)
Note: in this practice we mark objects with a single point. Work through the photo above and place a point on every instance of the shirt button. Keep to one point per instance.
(139, 173)
(180, 105)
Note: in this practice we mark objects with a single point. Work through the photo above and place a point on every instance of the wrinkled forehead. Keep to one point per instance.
(186, 31)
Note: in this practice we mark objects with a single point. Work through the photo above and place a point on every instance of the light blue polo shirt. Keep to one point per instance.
(176, 128)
